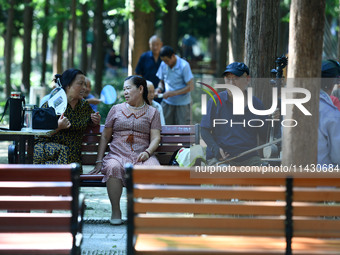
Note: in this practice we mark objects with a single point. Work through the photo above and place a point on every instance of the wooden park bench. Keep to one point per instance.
(41, 210)
(173, 137)
(173, 210)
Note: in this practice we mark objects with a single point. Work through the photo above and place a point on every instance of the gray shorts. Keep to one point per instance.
(176, 114)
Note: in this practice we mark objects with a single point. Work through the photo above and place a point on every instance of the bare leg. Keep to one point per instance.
(114, 190)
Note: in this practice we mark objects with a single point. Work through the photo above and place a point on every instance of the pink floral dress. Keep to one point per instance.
(130, 137)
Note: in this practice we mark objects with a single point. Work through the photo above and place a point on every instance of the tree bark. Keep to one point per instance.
(71, 35)
(170, 25)
(146, 28)
(84, 28)
(221, 37)
(306, 31)
(45, 31)
(124, 45)
(283, 34)
(339, 34)
(26, 63)
(99, 49)
(260, 45)
(8, 47)
(237, 27)
(58, 50)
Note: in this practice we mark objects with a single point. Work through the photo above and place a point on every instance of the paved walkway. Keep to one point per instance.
(100, 238)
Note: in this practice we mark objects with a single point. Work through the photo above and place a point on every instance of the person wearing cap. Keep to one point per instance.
(329, 116)
(227, 140)
(176, 82)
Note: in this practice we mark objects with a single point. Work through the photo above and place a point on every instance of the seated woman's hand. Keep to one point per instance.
(96, 169)
(143, 156)
(63, 122)
(95, 117)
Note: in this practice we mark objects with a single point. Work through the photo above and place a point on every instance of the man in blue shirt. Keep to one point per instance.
(176, 82)
(329, 117)
(150, 61)
(233, 135)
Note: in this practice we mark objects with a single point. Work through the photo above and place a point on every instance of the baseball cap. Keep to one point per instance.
(236, 68)
(330, 69)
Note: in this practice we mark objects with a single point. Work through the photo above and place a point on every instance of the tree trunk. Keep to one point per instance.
(71, 35)
(99, 49)
(170, 25)
(283, 34)
(260, 45)
(8, 47)
(26, 63)
(221, 37)
(339, 33)
(306, 30)
(146, 28)
(124, 45)
(84, 28)
(237, 27)
(45, 31)
(58, 52)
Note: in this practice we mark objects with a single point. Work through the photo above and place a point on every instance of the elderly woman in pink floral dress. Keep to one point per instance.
(135, 130)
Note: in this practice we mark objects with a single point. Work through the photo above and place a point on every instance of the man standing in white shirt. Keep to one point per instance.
(176, 82)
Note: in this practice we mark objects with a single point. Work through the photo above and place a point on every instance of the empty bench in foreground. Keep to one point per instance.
(173, 137)
(171, 211)
(41, 210)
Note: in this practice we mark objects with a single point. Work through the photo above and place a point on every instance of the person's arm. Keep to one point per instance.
(189, 87)
(334, 134)
(210, 141)
(94, 100)
(160, 88)
(155, 138)
(104, 140)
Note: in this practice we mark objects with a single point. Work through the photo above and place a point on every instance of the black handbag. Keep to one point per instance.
(44, 118)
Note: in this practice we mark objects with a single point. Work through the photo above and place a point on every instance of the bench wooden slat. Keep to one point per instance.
(316, 209)
(316, 227)
(54, 243)
(62, 173)
(240, 208)
(177, 139)
(213, 226)
(35, 203)
(169, 149)
(317, 195)
(270, 193)
(35, 222)
(182, 176)
(177, 129)
(240, 245)
(318, 181)
(34, 188)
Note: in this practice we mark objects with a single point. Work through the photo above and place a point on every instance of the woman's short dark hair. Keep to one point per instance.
(67, 77)
(166, 51)
(140, 81)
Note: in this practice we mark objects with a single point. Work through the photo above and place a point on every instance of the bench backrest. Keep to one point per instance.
(169, 200)
(30, 192)
(173, 137)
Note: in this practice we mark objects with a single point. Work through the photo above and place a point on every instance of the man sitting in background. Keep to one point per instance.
(151, 95)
